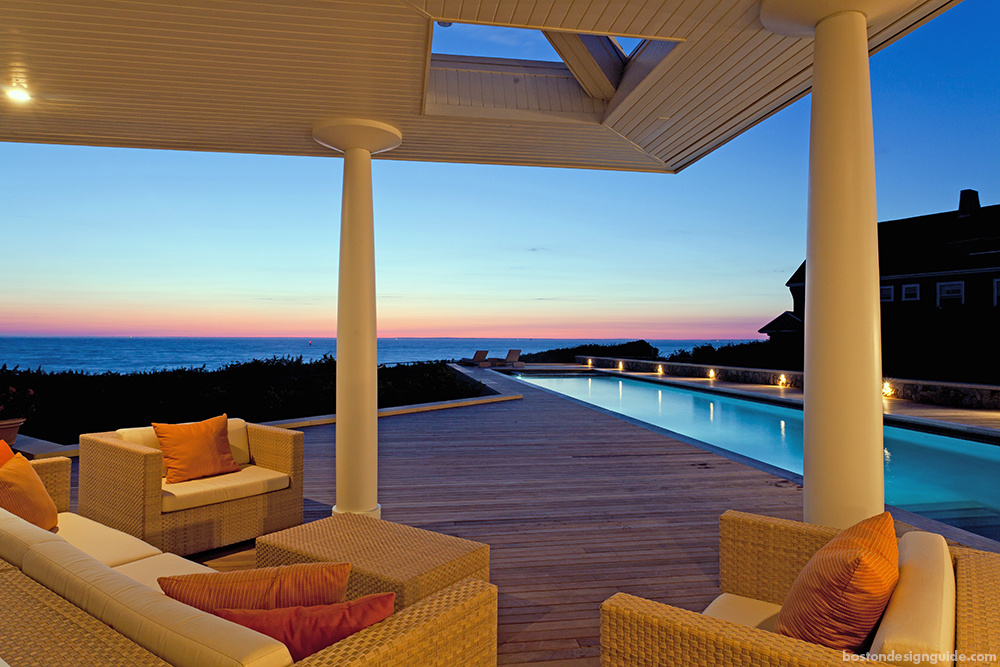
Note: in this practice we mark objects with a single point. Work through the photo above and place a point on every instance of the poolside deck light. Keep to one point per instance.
(621, 366)
(782, 381)
(659, 369)
(590, 362)
(711, 374)
(887, 389)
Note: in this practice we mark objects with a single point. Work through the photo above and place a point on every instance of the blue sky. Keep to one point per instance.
(130, 242)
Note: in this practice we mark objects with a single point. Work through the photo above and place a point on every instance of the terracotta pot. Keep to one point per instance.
(8, 429)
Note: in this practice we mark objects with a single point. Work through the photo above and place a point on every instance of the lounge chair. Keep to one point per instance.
(478, 359)
(510, 361)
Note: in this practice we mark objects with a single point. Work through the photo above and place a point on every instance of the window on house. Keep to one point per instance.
(911, 292)
(888, 293)
(950, 294)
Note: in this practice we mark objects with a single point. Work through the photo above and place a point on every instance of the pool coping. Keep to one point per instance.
(950, 532)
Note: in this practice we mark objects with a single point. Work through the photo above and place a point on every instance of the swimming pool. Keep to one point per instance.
(949, 479)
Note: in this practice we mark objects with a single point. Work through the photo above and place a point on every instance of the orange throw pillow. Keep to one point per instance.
(306, 630)
(302, 585)
(6, 454)
(842, 591)
(192, 451)
(22, 493)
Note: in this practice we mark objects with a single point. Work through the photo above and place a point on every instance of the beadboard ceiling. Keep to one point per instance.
(252, 77)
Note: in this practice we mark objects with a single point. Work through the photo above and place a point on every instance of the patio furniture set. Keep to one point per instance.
(88, 593)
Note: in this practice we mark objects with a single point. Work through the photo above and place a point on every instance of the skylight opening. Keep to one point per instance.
(629, 44)
(486, 41)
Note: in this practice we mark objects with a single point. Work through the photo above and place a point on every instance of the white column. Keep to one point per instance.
(843, 468)
(357, 342)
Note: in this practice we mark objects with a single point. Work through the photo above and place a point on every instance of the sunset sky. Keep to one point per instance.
(102, 241)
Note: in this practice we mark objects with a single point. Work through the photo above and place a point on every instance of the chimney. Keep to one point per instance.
(968, 203)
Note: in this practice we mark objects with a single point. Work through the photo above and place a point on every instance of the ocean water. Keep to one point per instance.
(128, 354)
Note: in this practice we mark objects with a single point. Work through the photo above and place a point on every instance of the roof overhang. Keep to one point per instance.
(233, 76)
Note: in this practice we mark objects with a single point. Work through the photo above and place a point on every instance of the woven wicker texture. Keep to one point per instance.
(120, 487)
(55, 475)
(763, 555)
(455, 627)
(384, 556)
(41, 629)
(635, 631)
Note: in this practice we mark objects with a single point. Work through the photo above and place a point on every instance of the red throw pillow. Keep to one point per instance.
(22, 493)
(842, 591)
(192, 451)
(306, 630)
(301, 585)
(6, 454)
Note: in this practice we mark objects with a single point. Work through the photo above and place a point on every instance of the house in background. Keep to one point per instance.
(940, 294)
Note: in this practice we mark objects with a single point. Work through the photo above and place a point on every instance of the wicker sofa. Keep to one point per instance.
(122, 485)
(759, 558)
(60, 605)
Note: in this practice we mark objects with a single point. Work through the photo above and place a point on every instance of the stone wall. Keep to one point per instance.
(724, 373)
(974, 396)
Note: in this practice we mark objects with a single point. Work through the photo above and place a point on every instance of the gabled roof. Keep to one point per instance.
(787, 322)
(253, 77)
(964, 240)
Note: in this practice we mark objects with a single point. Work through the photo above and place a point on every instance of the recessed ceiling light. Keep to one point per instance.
(19, 94)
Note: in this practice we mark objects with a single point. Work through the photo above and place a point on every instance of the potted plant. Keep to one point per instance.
(16, 405)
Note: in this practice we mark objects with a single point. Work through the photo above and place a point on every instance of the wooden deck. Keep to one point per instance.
(576, 505)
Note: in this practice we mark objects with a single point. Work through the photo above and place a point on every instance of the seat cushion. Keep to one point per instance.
(148, 570)
(920, 618)
(106, 545)
(179, 634)
(744, 611)
(17, 536)
(840, 594)
(250, 481)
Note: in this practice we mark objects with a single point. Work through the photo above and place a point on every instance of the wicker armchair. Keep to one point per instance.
(120, 486)
(760, 557)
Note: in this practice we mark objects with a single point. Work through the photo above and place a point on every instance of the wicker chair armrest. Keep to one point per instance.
(55, 475)
(276, 448)
(635, 631)
(760, 556)
(977, 616)
(457, 626)
(120, 485)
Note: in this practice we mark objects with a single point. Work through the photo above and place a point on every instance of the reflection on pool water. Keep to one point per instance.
(949, 479)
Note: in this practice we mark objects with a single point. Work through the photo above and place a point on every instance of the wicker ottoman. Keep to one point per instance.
(384, 557)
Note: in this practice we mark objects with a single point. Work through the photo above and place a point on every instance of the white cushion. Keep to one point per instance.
(179, 634)
(250, 481)
(148, 570)
(744, 611)
(920, 617)
(107, 545)
(17, 536)
(239, 445)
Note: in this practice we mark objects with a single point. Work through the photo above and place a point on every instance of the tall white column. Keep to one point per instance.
(357, 342)
(843, 464)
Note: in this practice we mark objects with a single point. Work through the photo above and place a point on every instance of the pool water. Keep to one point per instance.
(949, 479)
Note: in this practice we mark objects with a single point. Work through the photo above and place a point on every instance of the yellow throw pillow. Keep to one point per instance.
(301, 585)
(192, 451)
(22, 493)
(842, 591)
